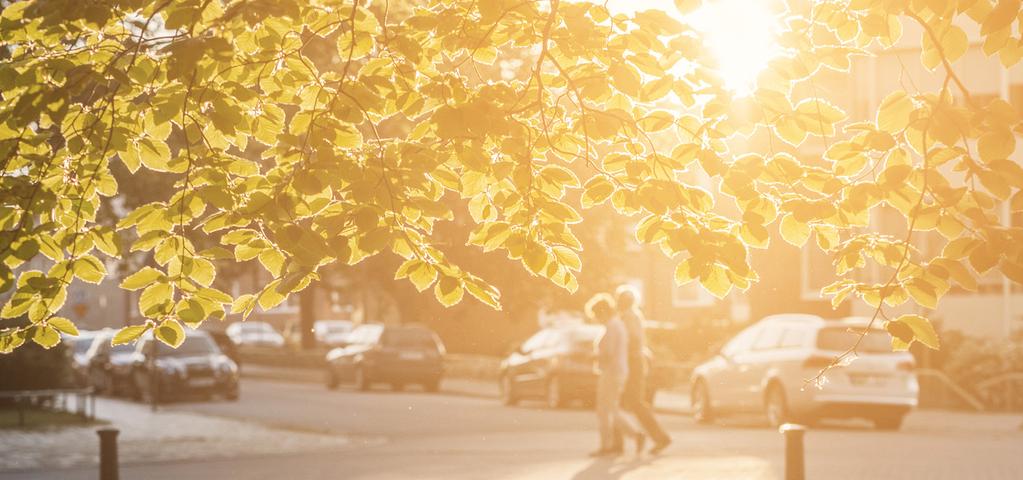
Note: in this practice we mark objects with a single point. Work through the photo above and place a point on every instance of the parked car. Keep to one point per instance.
(79, 346)
(766, 368)
(397, 355)
(332, 333)
(256, 334)
(197, 366)
(557, 365)
(109, 366)
(226, 345)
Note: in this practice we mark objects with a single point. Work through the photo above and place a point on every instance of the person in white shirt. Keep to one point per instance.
(613, 370)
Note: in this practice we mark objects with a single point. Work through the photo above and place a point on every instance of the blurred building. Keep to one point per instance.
(791, 278)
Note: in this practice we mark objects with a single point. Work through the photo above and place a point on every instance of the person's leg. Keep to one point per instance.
(634, 401)
(605, 421)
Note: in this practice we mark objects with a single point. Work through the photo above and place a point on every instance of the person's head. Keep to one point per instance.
(601, 307)
(626, 297)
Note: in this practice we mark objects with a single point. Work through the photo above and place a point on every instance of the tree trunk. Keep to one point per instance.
(307, 316)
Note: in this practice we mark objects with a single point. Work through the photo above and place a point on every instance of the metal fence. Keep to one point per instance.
(81, 401)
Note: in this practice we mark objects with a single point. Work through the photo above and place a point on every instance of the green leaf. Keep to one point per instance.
(448, 291)
(170, 332)
(89, 269)
(922, 329)
(156, 299)
(63, 325)
(130, 334)
(46, 336)
(141, 278)
(244, 304)
(423, 276)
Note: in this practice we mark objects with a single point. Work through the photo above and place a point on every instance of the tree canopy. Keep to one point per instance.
(299, 161)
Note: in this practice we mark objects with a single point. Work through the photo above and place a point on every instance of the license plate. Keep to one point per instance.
(867, 380)
(200, 382)
(411, 355)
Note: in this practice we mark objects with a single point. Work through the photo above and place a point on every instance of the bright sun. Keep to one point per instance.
(741, 35)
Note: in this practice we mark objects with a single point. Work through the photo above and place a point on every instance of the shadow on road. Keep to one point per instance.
(609, 469)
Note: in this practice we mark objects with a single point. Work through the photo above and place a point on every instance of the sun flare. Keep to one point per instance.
(742, 36)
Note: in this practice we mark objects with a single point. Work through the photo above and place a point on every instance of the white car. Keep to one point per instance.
(768, 367)
(333, 333)
(260, 334)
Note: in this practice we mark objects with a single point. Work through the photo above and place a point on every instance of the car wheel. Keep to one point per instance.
(775, 406)
(555, 394)
(508, 396)
(331, 379)
(888, 422)
(362, 381)
(700, 399)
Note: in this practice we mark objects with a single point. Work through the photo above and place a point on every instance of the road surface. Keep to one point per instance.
(412, 434)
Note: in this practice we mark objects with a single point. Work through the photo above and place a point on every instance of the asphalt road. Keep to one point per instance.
(429, 436)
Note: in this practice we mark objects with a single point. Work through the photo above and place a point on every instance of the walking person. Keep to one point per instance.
(613, 365)
(634, 394)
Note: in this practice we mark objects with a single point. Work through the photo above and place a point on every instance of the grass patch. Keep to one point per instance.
(36, 417)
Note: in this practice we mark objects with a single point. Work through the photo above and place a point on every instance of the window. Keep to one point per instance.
(742, 341)
(815, 271)
(793, 338)
(769, 339)
(1016, 96)
(366, 334)
(409, 337)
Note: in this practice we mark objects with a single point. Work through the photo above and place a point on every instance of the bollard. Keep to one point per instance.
(108, 469)
(795, 468)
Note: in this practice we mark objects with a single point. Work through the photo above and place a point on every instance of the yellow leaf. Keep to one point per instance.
(794, 231)
(894, 112)
(996, 145)
(715, 280)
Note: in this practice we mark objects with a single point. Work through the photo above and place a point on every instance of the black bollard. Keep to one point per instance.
(795, 468)
(108, 469)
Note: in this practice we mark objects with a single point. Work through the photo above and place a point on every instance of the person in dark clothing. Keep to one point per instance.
(633, 396)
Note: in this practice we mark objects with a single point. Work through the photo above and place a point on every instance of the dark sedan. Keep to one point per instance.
(557, 365)
(108, 367)
(196, 367)
(397, 355)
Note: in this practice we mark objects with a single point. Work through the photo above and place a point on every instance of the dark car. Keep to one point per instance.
(226, 345)
(397, 355)
(108, 366)
(557, 365)
(196, 367)
(79, 346)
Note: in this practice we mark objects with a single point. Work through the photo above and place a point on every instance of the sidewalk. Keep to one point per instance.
(669, 402)
(160, 436)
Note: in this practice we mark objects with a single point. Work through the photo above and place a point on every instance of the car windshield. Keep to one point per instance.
(582, 337)
(843, 338)
(193, 345)
(82, 345)
(334, 328)
(256, 327)
(409, 337)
